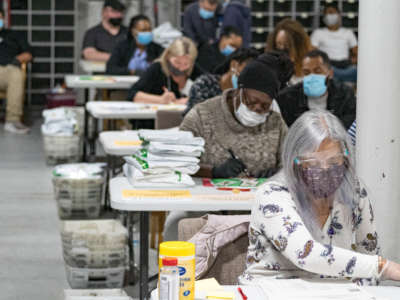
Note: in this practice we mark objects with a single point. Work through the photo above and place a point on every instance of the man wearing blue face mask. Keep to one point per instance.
(133, 55)
(318, 90)
(211, 56)
(200, 21)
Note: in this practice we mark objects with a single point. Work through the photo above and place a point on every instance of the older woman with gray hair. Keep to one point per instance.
(313, 219)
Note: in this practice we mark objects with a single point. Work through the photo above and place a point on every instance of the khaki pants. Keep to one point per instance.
(12, 80)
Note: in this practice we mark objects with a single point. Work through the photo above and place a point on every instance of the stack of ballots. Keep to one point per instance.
(94, 253)
(167, 159)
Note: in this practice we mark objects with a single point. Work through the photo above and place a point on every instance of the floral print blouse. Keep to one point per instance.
(281, 246)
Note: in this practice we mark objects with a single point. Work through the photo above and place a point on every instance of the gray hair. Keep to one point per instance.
(304, 137)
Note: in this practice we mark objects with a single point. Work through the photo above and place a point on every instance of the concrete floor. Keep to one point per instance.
(31, 263)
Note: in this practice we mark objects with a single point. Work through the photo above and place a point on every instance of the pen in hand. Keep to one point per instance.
(237, 158)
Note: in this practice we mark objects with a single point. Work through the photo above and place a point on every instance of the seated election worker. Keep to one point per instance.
(168, 79)
(210, 85)
(211, 56)
(318, 90)
(242, 135)
(314, 219)
(135, 54)
(290, 36)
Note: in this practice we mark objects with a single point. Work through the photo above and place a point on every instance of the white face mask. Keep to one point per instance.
(247, 117)
(331, 19)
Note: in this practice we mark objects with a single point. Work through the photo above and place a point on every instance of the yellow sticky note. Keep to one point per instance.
(210, 284)
(156, 193)
(220, 295)
(128, 143)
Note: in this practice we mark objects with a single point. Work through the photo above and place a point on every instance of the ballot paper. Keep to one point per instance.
(312, 289)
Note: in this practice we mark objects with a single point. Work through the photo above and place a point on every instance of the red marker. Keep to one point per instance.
(244, 297)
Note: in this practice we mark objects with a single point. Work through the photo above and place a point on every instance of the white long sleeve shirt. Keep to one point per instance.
(280, 244)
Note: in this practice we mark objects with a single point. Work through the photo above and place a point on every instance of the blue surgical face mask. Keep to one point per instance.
(144, 38)
(206, 14)
(228, 50)
(234, 80)
(314, 85)
(1, 23)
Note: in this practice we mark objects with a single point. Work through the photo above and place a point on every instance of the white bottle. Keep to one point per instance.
(168, 285)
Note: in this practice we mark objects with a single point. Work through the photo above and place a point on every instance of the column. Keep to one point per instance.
(378, 116)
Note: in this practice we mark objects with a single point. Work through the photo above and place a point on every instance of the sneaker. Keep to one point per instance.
(16, 127)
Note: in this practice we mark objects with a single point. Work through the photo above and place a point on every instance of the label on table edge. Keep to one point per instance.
(156, 193)
(128, 143)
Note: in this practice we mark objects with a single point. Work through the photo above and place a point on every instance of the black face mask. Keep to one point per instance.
(115, 21)
(175, 71)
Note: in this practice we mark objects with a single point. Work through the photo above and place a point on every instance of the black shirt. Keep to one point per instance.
(341, 102)
(123, 52)
(199, 30)
(12, 44)
(99, 38)
(154, 79)
(210, 57)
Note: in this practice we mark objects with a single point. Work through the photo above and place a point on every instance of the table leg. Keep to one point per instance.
(129, 225)
(144, 254)
(85, 129)
(93, 140)
(108, 178)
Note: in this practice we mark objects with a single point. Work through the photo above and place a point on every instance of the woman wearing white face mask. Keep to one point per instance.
(243, 136)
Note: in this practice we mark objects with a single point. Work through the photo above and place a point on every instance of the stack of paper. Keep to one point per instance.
(167, 159)
(60, 121)
(312, 289)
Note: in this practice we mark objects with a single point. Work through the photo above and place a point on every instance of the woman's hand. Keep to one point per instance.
(182, 101)
(391, 271)
(167, 97)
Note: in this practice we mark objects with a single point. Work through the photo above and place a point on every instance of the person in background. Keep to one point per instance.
(14, 51)
(314, 219)
(352, 131)
(210, 56)
(135, 54)
(339, 43)
(200, 21)
(318, 90)
(243, 136)
(238, 14)
(168, 79)
(100, 40)
(290, 36)
(211, 85)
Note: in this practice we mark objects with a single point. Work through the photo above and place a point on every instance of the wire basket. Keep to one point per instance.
(78, 197)
(85, 278)
(62, 149)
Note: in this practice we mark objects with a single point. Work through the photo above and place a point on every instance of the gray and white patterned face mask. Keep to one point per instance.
(322, 182)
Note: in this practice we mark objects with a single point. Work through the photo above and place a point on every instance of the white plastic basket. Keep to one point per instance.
(95, 235)
(62, 149)
(82, 257)
(111, 294)
(78, 197)
(82, 278)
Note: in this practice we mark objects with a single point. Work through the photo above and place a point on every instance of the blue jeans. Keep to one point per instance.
(349, 74)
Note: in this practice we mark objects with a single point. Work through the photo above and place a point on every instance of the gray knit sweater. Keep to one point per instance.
(258, 147)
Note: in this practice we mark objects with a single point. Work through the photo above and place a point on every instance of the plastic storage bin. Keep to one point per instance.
(68, 98)
(82, 278)
(79, 194)
(111, 294)
(65, 148)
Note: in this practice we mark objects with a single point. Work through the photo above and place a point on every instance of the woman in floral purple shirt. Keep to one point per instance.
(313, 219)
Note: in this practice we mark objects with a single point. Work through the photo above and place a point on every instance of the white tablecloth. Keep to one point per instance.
(202, 198)
(127, 110)
(100, 81)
